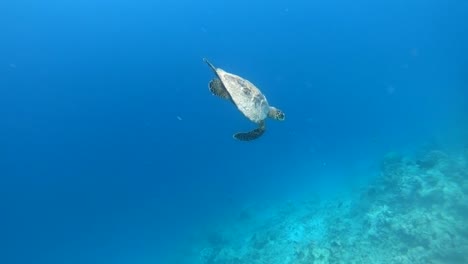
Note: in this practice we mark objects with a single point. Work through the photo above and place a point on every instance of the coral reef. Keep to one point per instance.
(415, 211)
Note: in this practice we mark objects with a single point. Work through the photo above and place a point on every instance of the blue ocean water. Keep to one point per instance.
(113, 150)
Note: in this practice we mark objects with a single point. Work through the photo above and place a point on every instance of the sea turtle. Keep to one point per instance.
(248, 99)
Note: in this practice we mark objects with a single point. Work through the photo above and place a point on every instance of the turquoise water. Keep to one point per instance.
(113, 150)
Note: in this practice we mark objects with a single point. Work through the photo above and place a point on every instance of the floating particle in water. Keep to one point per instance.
(12, 65)
(312, 149)
(390, 89)
(179, 118)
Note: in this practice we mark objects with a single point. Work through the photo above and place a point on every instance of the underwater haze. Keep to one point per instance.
(114, 150)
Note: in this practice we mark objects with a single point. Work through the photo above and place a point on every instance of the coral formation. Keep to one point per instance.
(415, 211)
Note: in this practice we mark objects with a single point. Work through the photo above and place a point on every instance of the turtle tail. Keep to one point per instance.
(209, 64)
(251, 135)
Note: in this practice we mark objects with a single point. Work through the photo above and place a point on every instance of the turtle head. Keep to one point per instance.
(276, 114)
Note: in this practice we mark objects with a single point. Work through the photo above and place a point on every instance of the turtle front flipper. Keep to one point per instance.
(251, 135)
(217, 88)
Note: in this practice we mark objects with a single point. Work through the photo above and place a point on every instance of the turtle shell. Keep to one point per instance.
(245, 95)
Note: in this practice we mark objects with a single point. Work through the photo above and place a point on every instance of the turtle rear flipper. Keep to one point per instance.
(251, 135)
(217, 88)
(248, 136)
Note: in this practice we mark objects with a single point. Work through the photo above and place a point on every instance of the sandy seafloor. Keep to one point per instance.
(414, 211)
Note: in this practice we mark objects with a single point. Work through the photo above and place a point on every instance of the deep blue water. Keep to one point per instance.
(112, 149)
